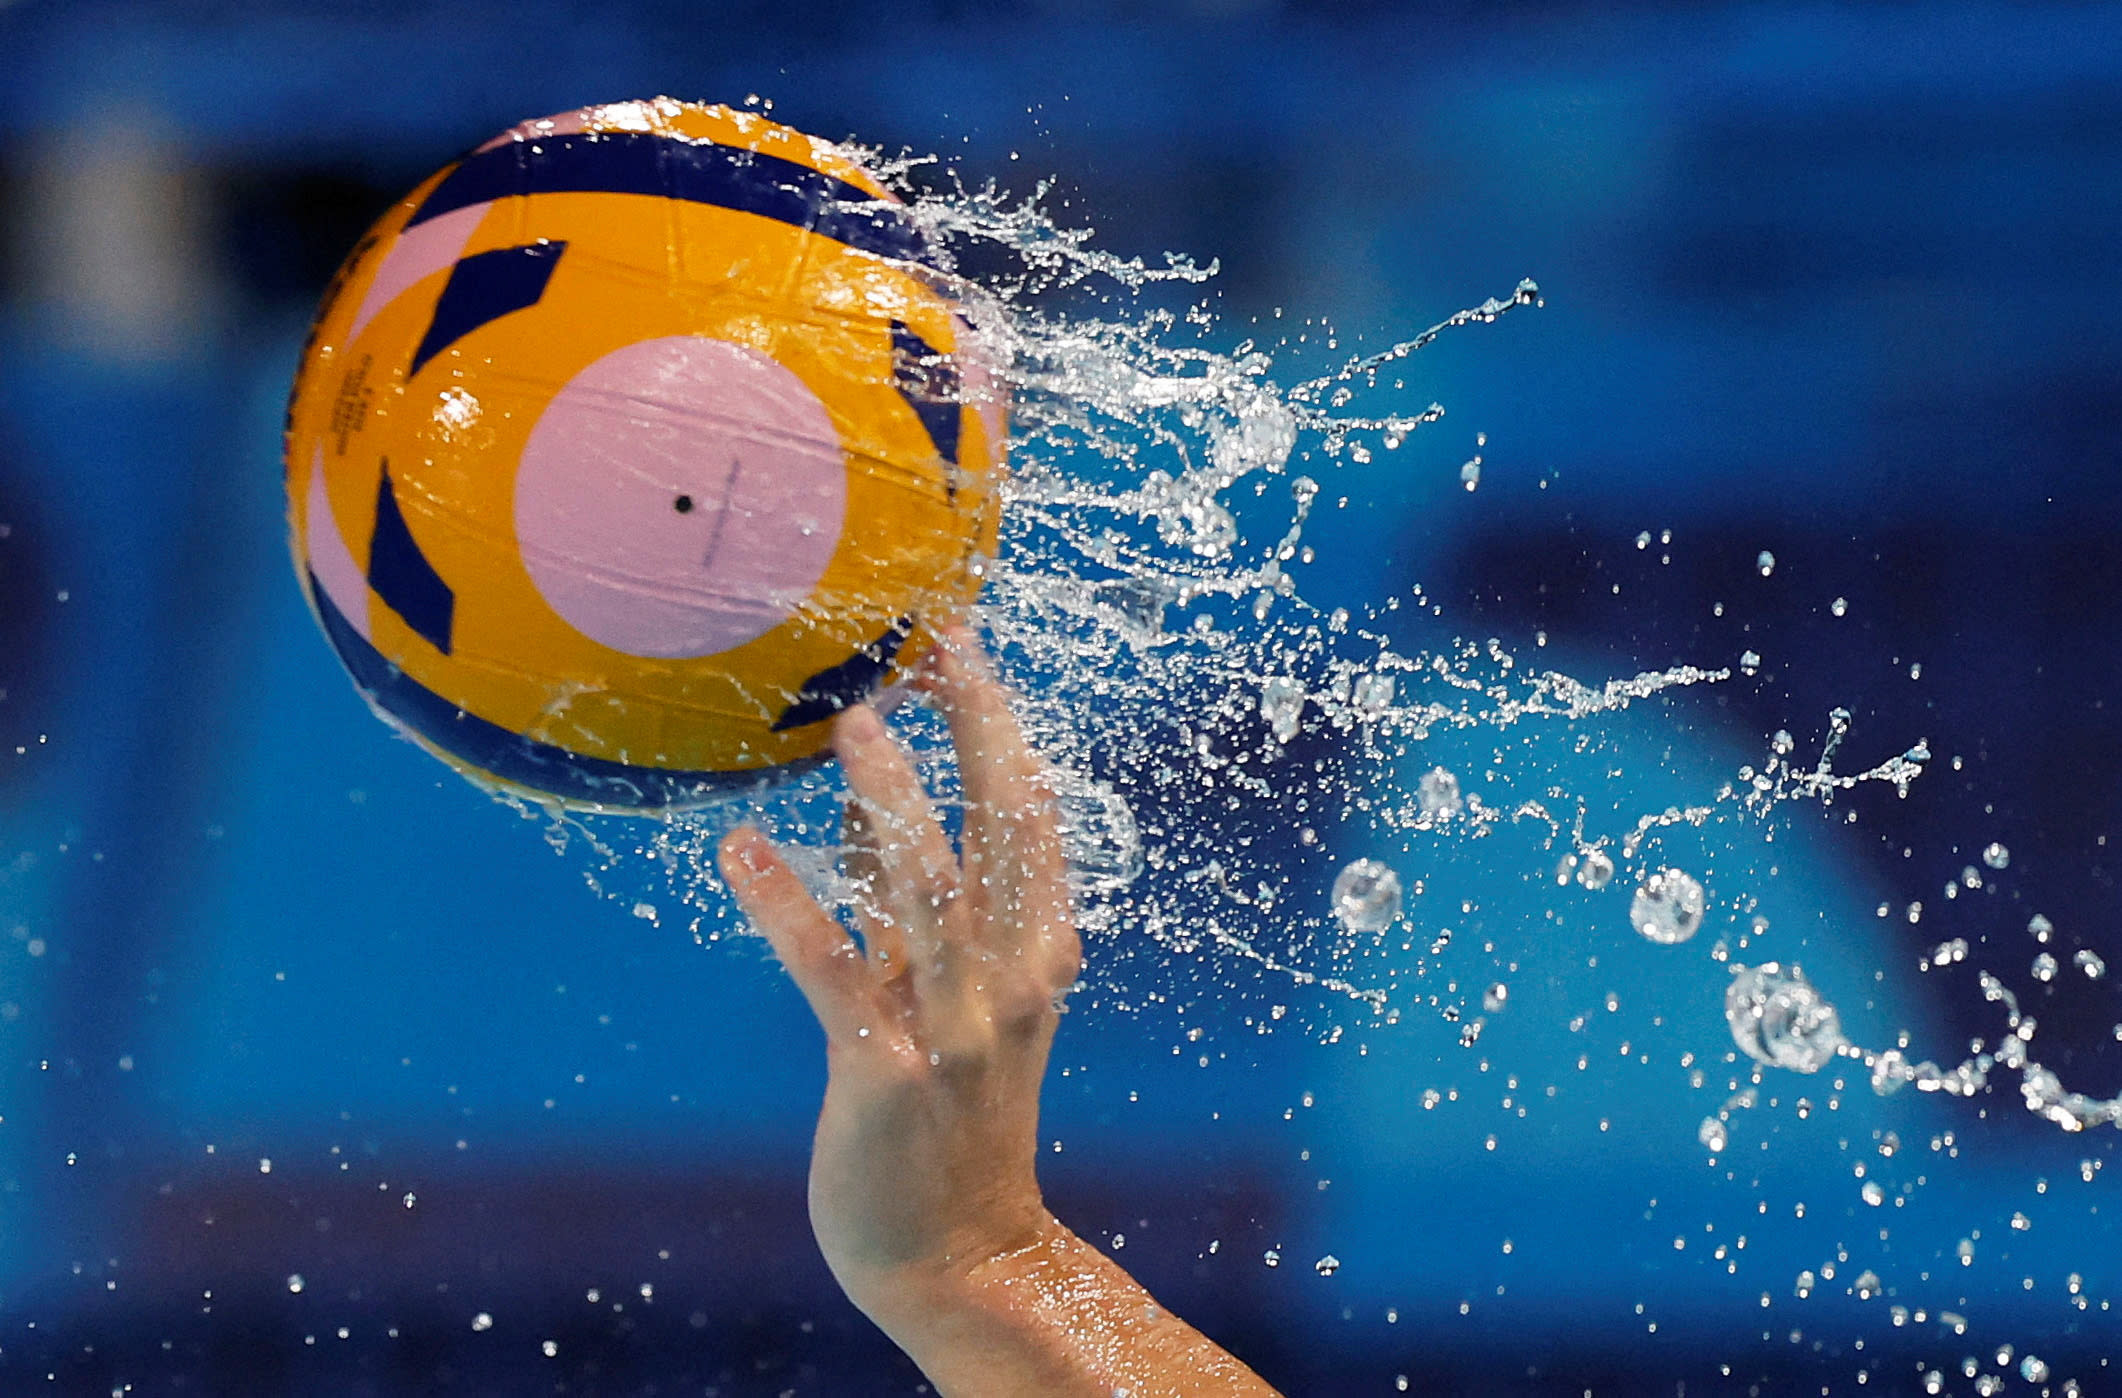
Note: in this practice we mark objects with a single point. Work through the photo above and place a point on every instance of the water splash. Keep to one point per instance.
(1220, 742)
(1777, 1018)
(1668, 907)
(1367, 896)
(1146, 601)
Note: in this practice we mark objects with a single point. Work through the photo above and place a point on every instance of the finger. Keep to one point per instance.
(882, 939)
(1012, 829)
(822, 959)
(918, 869)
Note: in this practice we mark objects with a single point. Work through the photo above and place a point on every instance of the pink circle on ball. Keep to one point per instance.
(680, 497)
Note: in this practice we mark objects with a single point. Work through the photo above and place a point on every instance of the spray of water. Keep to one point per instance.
(1146, 605)
(1146, 602)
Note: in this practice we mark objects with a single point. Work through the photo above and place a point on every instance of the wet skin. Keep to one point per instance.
(938, 1024)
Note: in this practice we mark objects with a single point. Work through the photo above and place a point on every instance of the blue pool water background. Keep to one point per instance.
(1831, 282)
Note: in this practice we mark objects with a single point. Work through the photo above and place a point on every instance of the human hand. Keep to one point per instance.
(937, 1028)
(938, 1025)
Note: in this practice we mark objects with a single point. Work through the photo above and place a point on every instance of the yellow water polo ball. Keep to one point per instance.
(633, 446)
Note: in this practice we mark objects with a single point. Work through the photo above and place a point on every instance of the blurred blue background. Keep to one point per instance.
(310, 1055)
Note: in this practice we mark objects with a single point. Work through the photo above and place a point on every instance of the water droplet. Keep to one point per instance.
(1372, 694)
(1366, 896)
(482, 1321)
(1840, 606)
(1202, 525)
(1749, 663)
(2033, 1370)
(1138, 604)
(2044, 967)
(1282, 705)
(1873, 1194)
(1327, 1265)
(1667, 907)
(1766, 563)
(1272, 1258)
(1438, 794)
(1470, 473)
(2090, 963)
(1495, 998)
(1595, 869)
(1996, 856)
(1098, 833)
(1778, 1018)
(1712, 1135)
(295, 1283)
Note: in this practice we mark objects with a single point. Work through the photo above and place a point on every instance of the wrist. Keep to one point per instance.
(1048, 1317)
(982, 1321)
(953, 1279)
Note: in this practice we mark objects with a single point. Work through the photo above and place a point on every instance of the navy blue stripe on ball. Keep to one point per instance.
(485, 287)
(847, 684)
(928, 381)
(697, 172)
(402, 576)
(511, 756)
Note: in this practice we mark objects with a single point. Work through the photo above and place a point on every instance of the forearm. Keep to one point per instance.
(1055, 1318)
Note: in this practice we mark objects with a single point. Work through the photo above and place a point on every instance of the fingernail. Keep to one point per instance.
(946, 660)
(860, 724)
(748, 848)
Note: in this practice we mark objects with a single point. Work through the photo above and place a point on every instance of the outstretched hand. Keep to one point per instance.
(938, 1024)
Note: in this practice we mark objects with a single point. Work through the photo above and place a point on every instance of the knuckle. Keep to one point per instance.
(1025, 1005)
(962, 1060)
